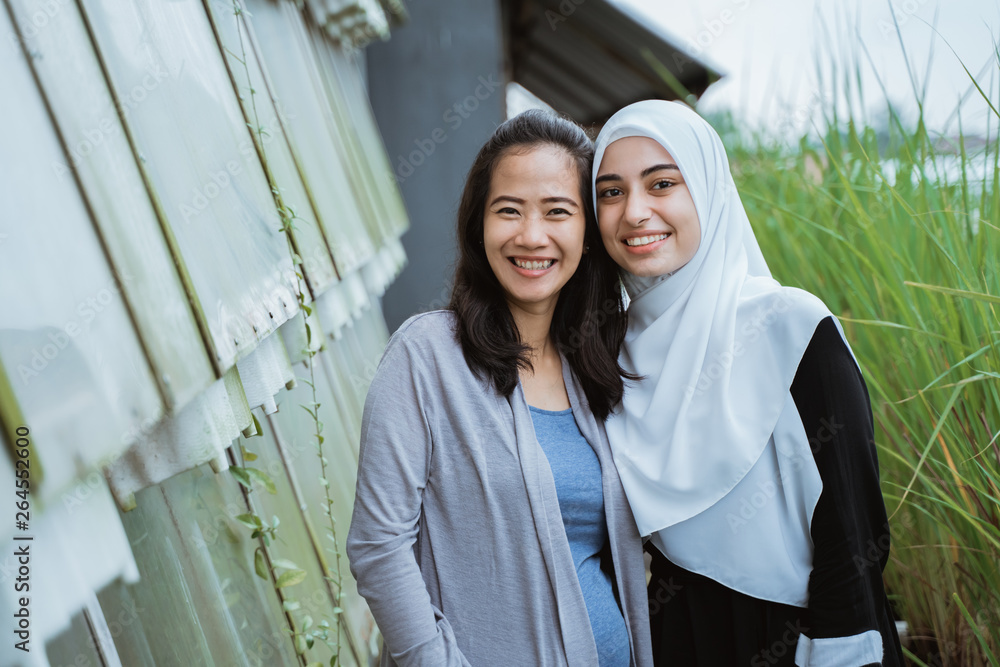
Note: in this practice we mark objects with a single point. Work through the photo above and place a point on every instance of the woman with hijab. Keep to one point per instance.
(490, 526)
(747, 449)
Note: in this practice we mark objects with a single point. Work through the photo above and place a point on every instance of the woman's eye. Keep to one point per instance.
(662, 185)
(507, 211)
(559, 211)
(611, 192)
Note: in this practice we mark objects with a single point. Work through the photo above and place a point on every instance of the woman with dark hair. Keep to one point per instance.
(747, 449)
(490, 526)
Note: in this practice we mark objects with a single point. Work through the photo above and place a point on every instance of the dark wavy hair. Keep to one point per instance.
(589, 323)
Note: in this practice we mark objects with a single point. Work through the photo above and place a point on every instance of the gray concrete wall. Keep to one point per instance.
(437, 88)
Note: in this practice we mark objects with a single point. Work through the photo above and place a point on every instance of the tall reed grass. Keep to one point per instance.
(899, 233)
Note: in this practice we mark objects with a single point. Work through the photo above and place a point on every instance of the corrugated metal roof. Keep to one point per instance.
(589, 58)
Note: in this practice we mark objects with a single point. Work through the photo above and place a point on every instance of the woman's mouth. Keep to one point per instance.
(531, 267)
(639, 241)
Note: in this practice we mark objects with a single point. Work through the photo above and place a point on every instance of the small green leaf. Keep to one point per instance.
(309, 642)
(241, 476)
(337, 610)
(290, 578)
(259, 566)
(300, 644)
(247, 454)
(290, 605)
(315, 663)
(260, 431)
(284, 563)
(264, 479)
(249, 520)
(307, 622)
(324, 481)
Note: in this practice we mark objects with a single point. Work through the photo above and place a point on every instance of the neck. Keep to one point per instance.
(636, 285)
(534, 327)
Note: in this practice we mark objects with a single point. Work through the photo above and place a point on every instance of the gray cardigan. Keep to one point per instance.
(457, 541)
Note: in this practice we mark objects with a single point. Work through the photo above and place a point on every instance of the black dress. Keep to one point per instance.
(698, 622)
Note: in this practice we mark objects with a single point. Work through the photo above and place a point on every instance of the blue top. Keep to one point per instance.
(577, 473)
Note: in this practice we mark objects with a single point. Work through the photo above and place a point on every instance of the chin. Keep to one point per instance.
(645, 269)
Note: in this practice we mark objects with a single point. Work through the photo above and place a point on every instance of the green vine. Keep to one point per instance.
(265, 565)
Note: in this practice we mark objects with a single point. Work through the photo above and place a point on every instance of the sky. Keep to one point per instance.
(769, 50)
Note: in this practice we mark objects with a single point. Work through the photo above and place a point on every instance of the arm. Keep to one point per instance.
(848, 617)
(393, 469)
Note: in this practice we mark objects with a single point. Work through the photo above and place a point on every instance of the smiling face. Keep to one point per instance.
(534, 225)
(646, 214)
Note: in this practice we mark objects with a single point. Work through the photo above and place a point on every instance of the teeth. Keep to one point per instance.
(645, 240)
(533, 265)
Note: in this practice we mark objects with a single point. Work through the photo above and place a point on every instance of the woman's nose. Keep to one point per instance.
(637, 210)
(533, 232)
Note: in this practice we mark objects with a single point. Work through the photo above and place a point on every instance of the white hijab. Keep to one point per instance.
(709, 446)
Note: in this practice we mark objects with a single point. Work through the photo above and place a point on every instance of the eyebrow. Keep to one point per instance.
(547, 200)
(645, 172)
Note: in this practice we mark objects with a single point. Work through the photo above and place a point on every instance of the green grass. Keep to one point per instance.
(909, 258)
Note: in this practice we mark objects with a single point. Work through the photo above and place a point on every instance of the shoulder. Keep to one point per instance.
(424, 325)
(764, 294)
(428, 346)
(426, 332)
(417, 352)
(787, 316)
(828, 357)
